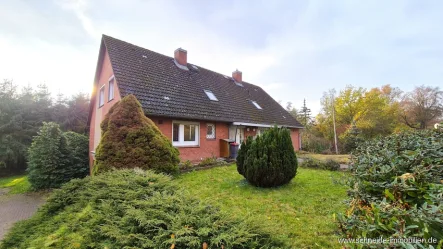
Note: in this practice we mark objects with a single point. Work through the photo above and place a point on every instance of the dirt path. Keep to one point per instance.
(17, 207)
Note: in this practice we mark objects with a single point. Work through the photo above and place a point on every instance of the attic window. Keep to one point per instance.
(256, 105)
(101, 97)
(210, 95)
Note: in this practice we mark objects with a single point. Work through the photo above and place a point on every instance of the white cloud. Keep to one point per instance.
(79, 7)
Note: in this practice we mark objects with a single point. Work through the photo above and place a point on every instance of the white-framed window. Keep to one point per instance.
(210, 131)
(185, 133)
(111, 89)
(256, 105)
(211, 95)
(101, 97)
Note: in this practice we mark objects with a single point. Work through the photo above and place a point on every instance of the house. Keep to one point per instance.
(194, 107)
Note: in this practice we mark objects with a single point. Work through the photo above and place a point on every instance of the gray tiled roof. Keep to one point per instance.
(163, 89)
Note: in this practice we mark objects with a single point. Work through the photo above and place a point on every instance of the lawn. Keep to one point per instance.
(339, 158)
(301, 213)
(16, 184)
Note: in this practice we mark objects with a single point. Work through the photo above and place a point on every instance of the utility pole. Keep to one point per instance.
(333, 120)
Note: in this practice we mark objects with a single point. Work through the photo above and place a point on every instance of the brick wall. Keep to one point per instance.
(207, 147)
(295, 137)
(98, 114)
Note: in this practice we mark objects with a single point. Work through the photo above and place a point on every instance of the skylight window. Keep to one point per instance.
(210, 95)
(256, 105)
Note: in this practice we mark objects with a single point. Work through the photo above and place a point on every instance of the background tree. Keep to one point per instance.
(305, 115)
(22, 113)
(422, 107)
(77, 113)
(374, 112)
(291, 110)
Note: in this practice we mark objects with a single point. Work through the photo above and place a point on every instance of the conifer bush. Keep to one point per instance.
(131, 140)
(78, 148)
(242, 154)
(132, 208)
(396, 191)
(48, 158)
(269, 160)
(56, 157)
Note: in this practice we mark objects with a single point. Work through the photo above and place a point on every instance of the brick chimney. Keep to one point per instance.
(237, 76)
(181, 56)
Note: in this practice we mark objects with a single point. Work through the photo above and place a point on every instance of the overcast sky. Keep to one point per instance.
(293, 49)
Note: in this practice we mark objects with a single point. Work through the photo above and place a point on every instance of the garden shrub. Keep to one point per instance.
(208, 161)
(78, 147)
(331, 165)
(185, 165)
(396, 190)
(269, 160)
(312, 163)
(132, 208)
(313, 143)
(48, 158)
(131, 140)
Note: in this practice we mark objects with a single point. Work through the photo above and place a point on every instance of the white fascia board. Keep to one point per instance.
(264, 125)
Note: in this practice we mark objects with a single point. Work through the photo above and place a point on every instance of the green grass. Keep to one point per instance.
(17, 184)
(300, 213)
(339, 158)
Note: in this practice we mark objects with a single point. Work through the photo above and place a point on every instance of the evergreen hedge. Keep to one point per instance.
(396, 190)
(131, 140)
(132, 209)
(269, 160)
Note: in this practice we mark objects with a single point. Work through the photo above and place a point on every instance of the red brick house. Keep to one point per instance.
(191, 105)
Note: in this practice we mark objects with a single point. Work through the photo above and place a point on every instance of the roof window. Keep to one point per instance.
(256, 105)
(210, 95)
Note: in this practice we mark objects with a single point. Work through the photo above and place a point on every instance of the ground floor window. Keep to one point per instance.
(185, 134)
(210, 131)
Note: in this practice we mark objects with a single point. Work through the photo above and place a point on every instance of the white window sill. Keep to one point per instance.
(186, 145)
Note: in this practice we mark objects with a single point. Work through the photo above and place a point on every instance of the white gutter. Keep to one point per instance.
(263, 125)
